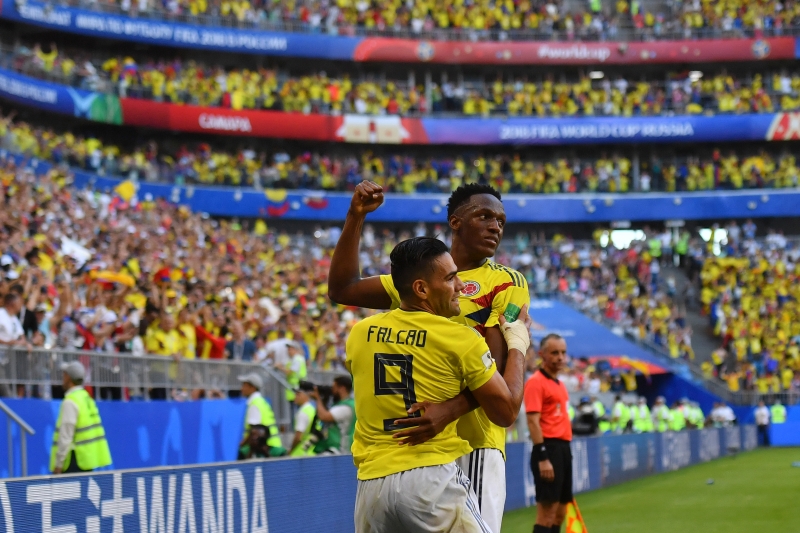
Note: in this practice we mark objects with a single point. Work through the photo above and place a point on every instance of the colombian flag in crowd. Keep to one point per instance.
(574, 519)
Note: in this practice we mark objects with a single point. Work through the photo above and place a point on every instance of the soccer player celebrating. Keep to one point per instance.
(415, 354)
(477, 219)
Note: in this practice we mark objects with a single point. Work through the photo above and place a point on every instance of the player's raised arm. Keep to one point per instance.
(345, 284)
(501, 397)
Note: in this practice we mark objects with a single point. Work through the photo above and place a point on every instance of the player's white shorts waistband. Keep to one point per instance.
(430, 499)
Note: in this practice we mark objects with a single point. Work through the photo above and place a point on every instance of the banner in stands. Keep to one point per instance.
(321, 205)
(263, 496)
(59, 98)
(379, 49)
(96, 24)
(365, 129)
(572, 53)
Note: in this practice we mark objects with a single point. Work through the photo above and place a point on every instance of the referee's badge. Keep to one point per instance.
(488, 360)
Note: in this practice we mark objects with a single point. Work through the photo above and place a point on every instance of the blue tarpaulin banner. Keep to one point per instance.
(45, 95)
(520, 208)
(286, 495)
(594, 130)
(180, 35)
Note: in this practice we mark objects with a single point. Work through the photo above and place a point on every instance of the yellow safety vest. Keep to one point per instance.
(778, 414)
(294, 379)
(89, 443)
(306, 446)
(267, 419)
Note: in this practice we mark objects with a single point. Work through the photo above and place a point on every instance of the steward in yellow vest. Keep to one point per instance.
(307, 426)
(258, 414)
(79, 442)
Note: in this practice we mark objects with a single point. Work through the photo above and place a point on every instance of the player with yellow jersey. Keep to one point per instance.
(415, 354)
(477, 219)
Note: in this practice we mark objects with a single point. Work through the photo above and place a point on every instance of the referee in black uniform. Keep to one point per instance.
(547, 406)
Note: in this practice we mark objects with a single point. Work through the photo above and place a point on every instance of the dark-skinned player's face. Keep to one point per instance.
(479, 223)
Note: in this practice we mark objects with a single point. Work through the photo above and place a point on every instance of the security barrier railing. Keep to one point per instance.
(125, 376)
(24, 430)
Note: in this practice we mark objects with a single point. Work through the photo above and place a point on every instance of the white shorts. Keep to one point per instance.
(486, 469)
(431, 499)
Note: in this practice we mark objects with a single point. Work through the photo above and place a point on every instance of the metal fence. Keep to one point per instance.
(117, 376)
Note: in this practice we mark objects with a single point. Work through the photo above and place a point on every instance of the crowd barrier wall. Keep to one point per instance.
(140, 434)
(309, 494)
(365, 129)
(520, 208)
(381, 49)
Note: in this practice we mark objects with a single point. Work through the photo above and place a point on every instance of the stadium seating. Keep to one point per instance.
(192, 82)
(200, 163)
(500, 20)
(153, 262)
(750, 294)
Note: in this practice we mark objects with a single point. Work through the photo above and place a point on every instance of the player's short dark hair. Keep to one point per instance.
(462, 195)
(412, 259)
(344, 381)
(10, 298)
(549, 336)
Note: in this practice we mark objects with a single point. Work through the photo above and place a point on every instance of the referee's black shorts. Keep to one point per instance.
(560, 489)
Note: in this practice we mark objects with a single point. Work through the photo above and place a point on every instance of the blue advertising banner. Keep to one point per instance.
(140, 434)
(48, 96)
(259, 496)
(594, 130)
(252, 497)
(520, 208)
(98, 24)
(627, 457)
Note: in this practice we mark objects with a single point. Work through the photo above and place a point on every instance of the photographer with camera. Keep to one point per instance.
(340, 420)
(307, 428)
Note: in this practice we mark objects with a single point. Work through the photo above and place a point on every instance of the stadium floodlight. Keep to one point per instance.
(596, 75)
(695, 75)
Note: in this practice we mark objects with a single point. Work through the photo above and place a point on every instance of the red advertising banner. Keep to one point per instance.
(274, 124)
(375, 49)
(228, 121)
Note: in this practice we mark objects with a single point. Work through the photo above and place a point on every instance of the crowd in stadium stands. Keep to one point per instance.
(623, 287)
(94, 272)
(190, 82)
(529, 18)
(751, 293)
(198, 163)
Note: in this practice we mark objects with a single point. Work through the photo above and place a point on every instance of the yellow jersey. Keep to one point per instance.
(401, 357)
(489, 291)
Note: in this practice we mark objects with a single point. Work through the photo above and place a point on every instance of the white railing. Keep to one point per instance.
(125, 376)
(24, 431)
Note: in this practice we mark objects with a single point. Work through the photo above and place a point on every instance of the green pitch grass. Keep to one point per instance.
(754, 491)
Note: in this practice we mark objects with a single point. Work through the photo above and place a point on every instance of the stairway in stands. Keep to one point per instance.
(703, 340)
